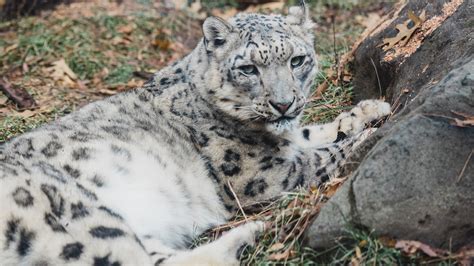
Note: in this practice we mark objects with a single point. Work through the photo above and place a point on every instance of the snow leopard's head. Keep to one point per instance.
(261, 67)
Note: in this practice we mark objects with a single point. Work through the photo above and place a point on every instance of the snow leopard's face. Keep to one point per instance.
(267, 65)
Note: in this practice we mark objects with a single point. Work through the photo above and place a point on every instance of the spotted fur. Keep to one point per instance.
(131, 179)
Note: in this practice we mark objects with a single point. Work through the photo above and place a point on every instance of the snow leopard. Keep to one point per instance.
(133, 178)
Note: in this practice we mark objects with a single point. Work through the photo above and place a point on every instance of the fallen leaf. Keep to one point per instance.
(332, 186)
(410, 247)
(469, 122)
(383, 23)
(26, 114)
(280, 256)
(465, 255)
(126, 29)
(404, 33)
(82, 84)
(133, 83)
(320, 90)
(61, 71)
(363, 243)
(426, 29)
(196, 9)
(387, 241)
(357, 259)
(3, 101)
(276, 247)
(354, 262)
(117, 40)
(347, 78)
(161, 40)
(10, 48)
(162, 44)
(466, 121)
(358, 253)
(330, 191)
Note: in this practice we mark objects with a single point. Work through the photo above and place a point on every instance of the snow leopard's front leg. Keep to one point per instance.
(347, 124)
(223, 251)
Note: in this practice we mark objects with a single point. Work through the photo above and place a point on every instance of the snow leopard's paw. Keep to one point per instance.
(373, 109)
(244, 235)
(224, 251)
(353, 122)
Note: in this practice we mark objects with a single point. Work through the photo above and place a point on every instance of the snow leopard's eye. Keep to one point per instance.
(297, 61)
(248, 70)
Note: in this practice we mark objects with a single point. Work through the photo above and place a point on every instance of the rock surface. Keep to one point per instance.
(409, 184)
(403, 77)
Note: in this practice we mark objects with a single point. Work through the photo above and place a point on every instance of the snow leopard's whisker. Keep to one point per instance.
(252, 120)
(244, 107)
(259, 113)
(250, 109)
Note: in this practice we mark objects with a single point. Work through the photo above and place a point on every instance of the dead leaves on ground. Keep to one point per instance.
(74, 75)
(411, 247)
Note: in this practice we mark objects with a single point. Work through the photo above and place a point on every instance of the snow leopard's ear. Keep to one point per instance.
(299, 16)
(215, 32)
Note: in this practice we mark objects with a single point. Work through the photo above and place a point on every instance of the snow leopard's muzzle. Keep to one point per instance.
(280, 115)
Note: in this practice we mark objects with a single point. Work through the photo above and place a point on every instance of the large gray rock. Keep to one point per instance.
(408, 183)
(409, 186)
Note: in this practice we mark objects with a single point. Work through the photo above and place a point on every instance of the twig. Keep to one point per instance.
(396, 104)
(439, 115)
(465, 166)
(336, 57)
(143, 75)
(17, 94)
(377, 75)
(237, 200)
(336, 61)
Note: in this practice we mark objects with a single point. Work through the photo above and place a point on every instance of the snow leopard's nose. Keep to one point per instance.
(281, 107)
